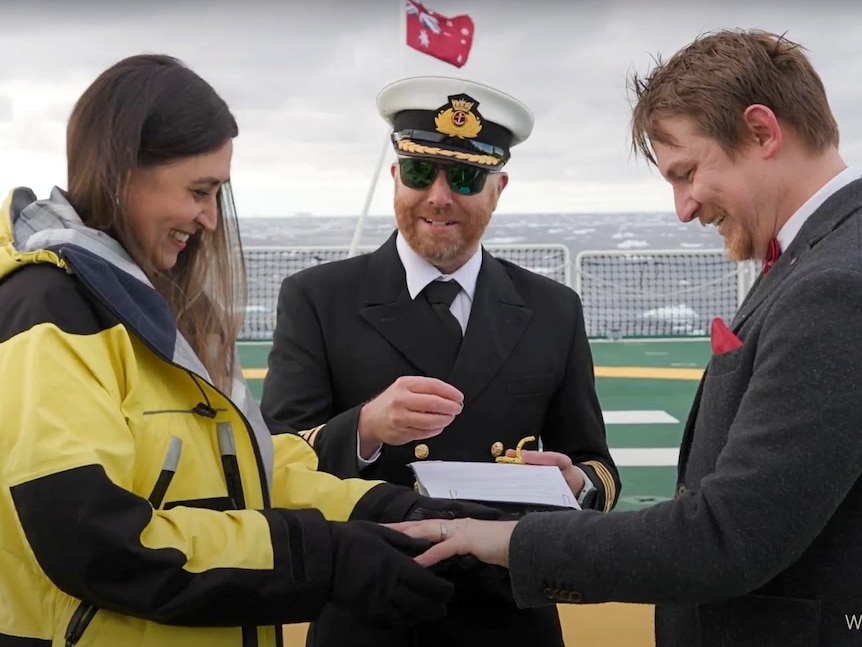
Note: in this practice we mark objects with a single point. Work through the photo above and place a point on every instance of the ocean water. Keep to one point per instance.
(639, 293)
(605, 231)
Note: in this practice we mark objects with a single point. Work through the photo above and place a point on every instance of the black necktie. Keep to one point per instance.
(440, 295)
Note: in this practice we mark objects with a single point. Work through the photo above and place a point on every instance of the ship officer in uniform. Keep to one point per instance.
(430, 348)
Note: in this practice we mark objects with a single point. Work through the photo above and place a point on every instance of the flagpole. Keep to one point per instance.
(360, 223)
(402, 35)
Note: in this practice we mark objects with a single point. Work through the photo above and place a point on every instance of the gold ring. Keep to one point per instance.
(444, 532)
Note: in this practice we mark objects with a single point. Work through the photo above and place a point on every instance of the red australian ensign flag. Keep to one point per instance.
(448, 39)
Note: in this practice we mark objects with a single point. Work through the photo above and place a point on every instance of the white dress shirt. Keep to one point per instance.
(791, 228)
(420, 273)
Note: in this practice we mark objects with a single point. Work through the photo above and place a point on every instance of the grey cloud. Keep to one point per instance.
(302, 76)
(32, 134)
(5, 109)
(581, 106)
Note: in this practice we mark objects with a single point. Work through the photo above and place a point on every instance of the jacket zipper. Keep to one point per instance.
(85, 612)
(258, 459)
(232, 477)
(227, 449)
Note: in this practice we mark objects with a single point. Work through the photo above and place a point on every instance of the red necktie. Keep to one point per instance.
(772, 254)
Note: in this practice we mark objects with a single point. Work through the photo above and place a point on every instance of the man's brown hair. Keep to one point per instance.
(717, 76)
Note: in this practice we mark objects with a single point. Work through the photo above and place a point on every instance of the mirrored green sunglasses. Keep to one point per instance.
(462, 178)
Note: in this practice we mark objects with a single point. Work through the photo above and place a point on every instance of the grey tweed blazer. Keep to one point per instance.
(762, 544)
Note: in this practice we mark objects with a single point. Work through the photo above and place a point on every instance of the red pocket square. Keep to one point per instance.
(723, 339)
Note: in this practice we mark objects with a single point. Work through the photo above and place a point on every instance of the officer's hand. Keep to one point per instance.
(412, 408)
(573, 476)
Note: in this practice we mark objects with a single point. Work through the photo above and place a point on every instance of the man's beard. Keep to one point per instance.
(448, 246)
(739, 239)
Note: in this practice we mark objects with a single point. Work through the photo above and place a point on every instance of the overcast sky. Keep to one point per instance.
(302, 78)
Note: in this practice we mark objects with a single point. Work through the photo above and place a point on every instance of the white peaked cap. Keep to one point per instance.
(456, 119)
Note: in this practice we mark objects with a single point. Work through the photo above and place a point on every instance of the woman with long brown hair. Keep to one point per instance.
(142, 499)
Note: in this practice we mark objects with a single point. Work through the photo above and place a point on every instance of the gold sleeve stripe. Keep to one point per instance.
(312, 437)
(610, 489)
(311, 434)
(608, 482)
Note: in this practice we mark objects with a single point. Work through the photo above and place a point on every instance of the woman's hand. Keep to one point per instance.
(488, 541)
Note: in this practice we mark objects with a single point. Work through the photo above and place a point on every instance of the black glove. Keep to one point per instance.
(389, 503)
(429, 508)
(374, 576)
(473, 578)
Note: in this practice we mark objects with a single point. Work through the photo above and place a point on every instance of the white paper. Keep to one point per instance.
(500, 482)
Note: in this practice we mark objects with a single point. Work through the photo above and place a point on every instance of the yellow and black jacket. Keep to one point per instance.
(139, 505)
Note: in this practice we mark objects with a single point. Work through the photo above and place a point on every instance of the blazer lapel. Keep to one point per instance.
(498, 319)
(688, 432)
(835, 210)
(388, 308)
(743, 310)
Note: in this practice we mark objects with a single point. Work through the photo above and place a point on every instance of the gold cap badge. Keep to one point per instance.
(458, 119)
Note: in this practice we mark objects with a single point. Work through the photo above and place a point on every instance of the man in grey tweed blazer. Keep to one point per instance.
(762, 544)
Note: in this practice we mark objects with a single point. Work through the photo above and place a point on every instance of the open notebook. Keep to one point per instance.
(532, 485)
